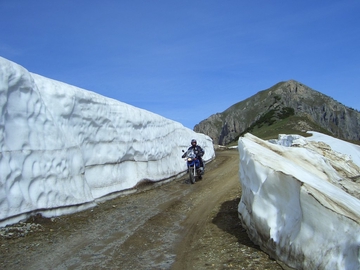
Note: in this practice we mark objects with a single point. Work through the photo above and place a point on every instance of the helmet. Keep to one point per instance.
(193, 141)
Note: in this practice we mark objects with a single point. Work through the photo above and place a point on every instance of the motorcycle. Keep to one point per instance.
(193, 164)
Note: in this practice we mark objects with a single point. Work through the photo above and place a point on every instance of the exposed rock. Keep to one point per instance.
(20, 230)
(339, 120)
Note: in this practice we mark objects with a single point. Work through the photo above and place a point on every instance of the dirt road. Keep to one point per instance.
(173, 226)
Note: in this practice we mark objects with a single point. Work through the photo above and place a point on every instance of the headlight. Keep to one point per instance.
(189, 159)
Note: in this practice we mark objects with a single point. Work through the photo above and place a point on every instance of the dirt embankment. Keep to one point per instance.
(173, 226)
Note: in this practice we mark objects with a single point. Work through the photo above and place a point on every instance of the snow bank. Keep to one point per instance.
(292, 207)
(62, 147)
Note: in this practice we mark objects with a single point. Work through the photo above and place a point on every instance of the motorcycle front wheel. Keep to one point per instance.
(191, 174)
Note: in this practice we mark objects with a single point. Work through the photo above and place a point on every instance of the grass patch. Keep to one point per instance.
(289, 125)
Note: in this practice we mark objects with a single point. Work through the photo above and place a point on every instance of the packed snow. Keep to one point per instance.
(62, 148)
(300, 199)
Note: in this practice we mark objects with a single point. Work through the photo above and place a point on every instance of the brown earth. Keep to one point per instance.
(172, 225)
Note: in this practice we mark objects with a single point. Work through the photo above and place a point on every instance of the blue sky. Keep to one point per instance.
(187, 60)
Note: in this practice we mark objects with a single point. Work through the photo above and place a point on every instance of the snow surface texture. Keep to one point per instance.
(62, 147)
(292, 204)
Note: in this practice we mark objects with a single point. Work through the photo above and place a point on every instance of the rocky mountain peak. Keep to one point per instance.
(278, 102)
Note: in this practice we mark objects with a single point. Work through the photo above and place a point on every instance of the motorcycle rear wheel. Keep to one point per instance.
(191, 174)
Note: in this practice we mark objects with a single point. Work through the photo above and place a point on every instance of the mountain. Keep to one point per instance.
(290, 107)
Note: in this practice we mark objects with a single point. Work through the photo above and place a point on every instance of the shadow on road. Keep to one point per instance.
(227, 220)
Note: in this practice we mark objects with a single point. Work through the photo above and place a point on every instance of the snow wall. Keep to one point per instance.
(291, 208)
(62, 147)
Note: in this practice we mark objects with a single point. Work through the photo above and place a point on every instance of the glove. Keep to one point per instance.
(183, 155)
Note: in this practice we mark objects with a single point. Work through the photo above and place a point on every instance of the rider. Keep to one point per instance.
(199, 152)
